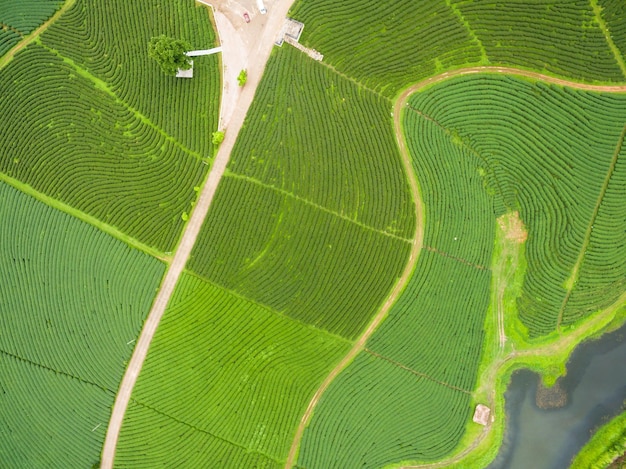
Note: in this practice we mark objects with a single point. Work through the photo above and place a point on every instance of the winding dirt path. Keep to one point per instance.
(359, 345)
(257, 56)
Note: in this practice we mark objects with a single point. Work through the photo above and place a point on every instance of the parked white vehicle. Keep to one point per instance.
(261, 6)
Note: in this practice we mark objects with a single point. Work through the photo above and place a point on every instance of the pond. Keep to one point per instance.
(546, 429)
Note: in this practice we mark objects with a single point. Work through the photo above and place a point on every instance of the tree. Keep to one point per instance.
(243, 77)
(170, 53)
(218, 137)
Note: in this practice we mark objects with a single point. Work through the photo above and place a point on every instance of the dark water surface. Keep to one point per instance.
(594, 391)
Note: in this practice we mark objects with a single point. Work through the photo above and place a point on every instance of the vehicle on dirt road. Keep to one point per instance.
(246, 17)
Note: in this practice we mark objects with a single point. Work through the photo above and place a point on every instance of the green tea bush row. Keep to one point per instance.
(455, 183)
(73, 298)
(26, 15)
(602, 274)
(614, 15)
(549, 150)
(386, 45)
(73, 142)
(317, 135)
(236, 374)
(296, 258)
(151, 439)
(436, 327)
(376, 413)
(561, 36)
(48, 418)
(109, 38)
(8, 39)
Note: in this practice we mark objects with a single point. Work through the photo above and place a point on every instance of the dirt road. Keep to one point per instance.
(256, 57)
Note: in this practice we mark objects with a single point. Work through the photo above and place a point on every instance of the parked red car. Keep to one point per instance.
(246, 17)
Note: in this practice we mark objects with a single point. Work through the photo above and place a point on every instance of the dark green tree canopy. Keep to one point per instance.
(170, 53)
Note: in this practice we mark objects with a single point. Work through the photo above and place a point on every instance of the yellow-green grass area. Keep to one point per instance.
(225, 383)
(555, 155)
(606, 445)
(19, 18)
(114, 138)
(73, 300)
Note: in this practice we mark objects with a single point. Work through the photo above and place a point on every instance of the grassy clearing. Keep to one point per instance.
(73, 301)
(607, 444)
(221, 392)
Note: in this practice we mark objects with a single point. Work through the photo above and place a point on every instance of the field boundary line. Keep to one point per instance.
(82, 216)
(315, 205)
(573, 279)
(200, 430)
(597, 10)
(35, 34)
(454, 258)
(399, 105)
(457, 12)
(105, 87)
(416, 373)
(57, 372)
(268, 308)
(355, 81)
(259, 56)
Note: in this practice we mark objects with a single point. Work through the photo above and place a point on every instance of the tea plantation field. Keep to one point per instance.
(95, 124)
(390, 46)
(549, 152)
(224, 384)
(314, 219)
(18, 18)
(479, 147)
(73, 300)
(313, 224)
